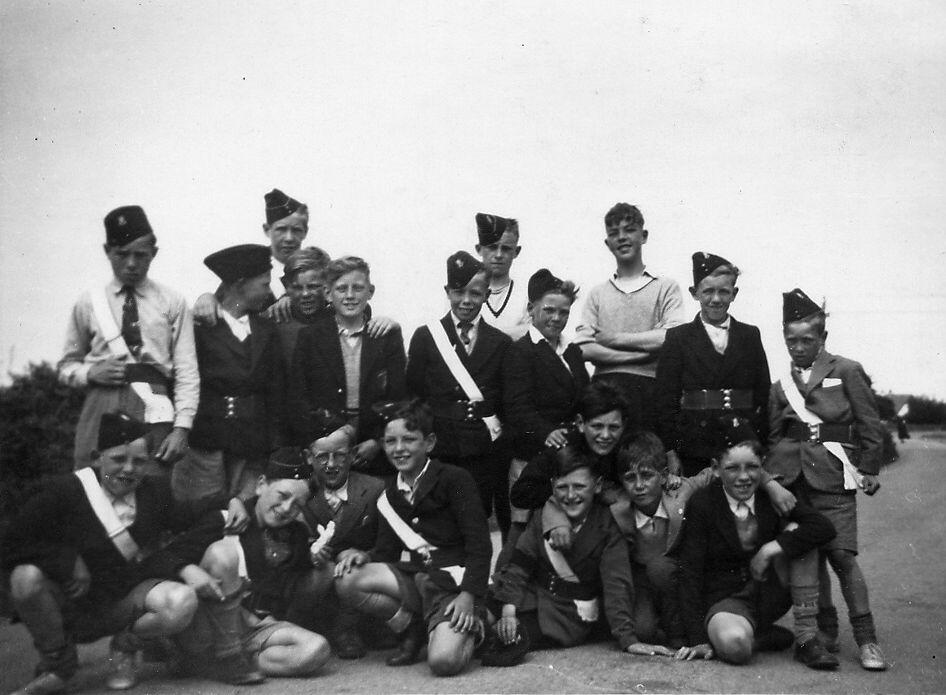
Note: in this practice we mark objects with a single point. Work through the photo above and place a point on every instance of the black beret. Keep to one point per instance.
(490, 228)
(125, 224)
(279, 205)
(119, 428)
(796, 305)
(704, 264)
(541, 282)
(461, 267)
(288, 462)
(238, 262)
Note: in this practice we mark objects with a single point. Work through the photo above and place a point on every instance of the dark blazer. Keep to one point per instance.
(248, 369)
(599, 559)
(58, 524)
(713, 564)
(317, 378)
(356, 525)
(688, 361)
(839, 392)
(447, 512)
(429, 378)
(539, 392)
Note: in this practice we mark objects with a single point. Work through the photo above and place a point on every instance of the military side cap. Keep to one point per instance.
(541, 282)
(730, 431)
(490, 228)
(796, 305)
(279, 205)
(119, 428)
(288, 462)
(125, 224)
(704, 264)
(461, 267)
(238, 262)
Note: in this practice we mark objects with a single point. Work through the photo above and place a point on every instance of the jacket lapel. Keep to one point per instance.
(447, 323)
(725, 520)
(703, 347)
(427, 481)
(820, 368)
(224, 336)
(353, 509)
(486, 342)
(735, 348)
(553, 366)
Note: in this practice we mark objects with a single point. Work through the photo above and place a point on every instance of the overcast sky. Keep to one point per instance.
(802, 140)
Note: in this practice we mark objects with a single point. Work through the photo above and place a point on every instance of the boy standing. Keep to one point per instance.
(626, 318)
(505, 306)
(710, 367)
(455, 364)
(826, 440)
(132, 344)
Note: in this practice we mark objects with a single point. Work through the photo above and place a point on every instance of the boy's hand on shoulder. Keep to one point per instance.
(349, 559)
(380, 326)
(673, 482)
(674, 465)
(697, 651)
(237, 518)
(557, 438)
(280, 311)
(460, 611)
(783, 500)
(207, 309)
(870, 484)
(561, 538)
(644, 649)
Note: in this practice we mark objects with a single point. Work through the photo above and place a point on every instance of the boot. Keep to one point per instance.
(412, 641)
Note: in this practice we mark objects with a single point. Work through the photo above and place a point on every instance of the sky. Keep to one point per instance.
(804, 141)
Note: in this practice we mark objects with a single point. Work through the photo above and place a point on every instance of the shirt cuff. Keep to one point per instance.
(185, 420)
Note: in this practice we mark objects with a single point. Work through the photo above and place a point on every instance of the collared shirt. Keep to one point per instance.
(126, 507)
(803, 374)
(167, 334)
(641, 520)
(405, 488)
(240, 327)
(559, 348)
(718, 335)
(507, 309)
(629, 285)
(336, 498)
(474, 330)
(351, 343)
(734, 505)
(275, 282)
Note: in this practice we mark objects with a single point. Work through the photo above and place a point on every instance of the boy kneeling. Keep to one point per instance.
(432, 510)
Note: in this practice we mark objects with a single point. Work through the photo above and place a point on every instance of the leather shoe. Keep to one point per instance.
(830, 642)
(45, 683)
(813, 655)
(872, 658)
(348, 645)
(412, 641)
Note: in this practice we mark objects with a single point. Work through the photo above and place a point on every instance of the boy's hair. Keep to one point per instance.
(308, 258)
(754, 444)
(600, 397)
(621, 212)
(643, 450)
(344, 265)
(416, 414)
(567, 289)
(725, 269)
(570, 458)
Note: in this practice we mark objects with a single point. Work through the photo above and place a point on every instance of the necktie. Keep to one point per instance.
(465, 327)
(334, 501)
(746, 526)
(131, 330)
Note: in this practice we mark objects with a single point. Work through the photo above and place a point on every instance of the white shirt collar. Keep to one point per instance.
(403, 486)
(734, 503)
(724, 326)
(631, 285)
(641, 519)
(340, 493)
(240, 327)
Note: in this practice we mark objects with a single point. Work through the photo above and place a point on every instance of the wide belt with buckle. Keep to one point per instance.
(230, 407)
(822, 432)
(717, 399)
(573, 591)
(462, 410)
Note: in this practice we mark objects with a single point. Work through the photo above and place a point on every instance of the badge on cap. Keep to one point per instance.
(490, 228)
(125, 224)
(288, 463)
(461, 268)
(279, 205)
(704, 264)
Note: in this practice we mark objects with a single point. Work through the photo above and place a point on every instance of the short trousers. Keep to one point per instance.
(89, 621)
(841, 510)
(761, 603)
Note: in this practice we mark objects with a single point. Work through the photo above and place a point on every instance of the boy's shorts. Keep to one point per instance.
(841, 510)
(761, 603)
(89, 621)
(198, 637)
(432, 595)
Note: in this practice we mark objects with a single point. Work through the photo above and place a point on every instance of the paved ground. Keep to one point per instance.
(902, 554)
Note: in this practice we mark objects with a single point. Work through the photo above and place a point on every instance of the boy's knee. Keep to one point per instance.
(221, 559)
(446, 664)
(175, 603)
(26, 582)
(736, 648)
(315, 654)
(841, 560)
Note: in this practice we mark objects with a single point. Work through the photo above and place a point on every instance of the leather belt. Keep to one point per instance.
(573, 591)
(230, 407)
(462, 410)
(717, 399)
(823, 432)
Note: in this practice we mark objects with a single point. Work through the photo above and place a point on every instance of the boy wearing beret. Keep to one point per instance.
(455, 364)
(825, 441)
(87, 558)
(710, 367)
(498, 247)
(241, 396)
(131, 344)
(625, 319)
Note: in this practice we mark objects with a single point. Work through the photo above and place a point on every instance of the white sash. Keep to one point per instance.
(852, 477)
(460, 373)
(233, 540)
(588, 610)
(158, 407)
(105, 513)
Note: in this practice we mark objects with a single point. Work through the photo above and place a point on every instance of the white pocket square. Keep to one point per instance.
(828, 383)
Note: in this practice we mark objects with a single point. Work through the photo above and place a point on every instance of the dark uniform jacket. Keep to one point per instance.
(249, 371)
(713, 564)
(317, 378)
(688, 361)
(356, 524)
(838, 392)
(429, 378)
(599, 559)
(58, 524)
(447, 512)
(540, 394)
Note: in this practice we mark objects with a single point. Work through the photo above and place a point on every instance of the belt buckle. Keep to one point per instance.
(469, 410)
(727, 399)
(231, 406)
(553, 584)
(814, 432)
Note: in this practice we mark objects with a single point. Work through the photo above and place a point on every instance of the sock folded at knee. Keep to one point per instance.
(863, 628)
(227, 619)
(400, 620)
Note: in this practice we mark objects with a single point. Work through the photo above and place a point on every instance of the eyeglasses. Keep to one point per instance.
(324, 458)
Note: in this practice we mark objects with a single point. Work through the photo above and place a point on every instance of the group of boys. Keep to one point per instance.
(184, 419)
